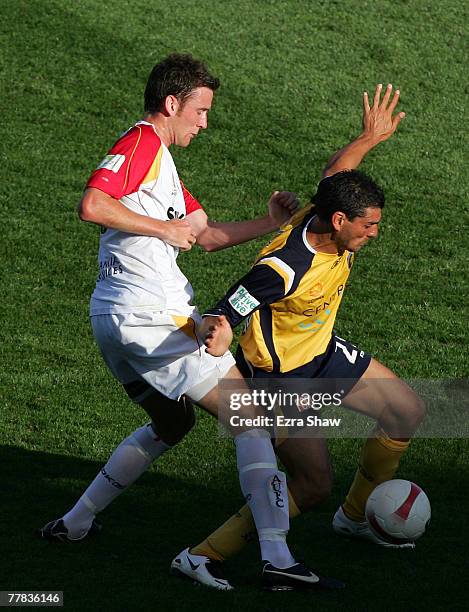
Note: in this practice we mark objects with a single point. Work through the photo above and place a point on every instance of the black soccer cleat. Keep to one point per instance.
(55, 531)
(296, 577)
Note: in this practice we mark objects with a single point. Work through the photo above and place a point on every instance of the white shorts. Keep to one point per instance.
(161, 349)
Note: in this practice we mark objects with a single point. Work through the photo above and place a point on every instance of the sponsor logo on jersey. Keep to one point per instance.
(111, 266)
(316, 290)
(324, 309)
(174, 214)
(112, 163)
(242, 301)
(324, 306)
(336, 262)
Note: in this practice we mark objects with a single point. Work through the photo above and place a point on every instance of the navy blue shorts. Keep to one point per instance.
(343, 364)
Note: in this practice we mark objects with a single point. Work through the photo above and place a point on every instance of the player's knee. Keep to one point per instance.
(181, 424)
(313, 490)
(410, 413)
(171, 419)
(416, 411)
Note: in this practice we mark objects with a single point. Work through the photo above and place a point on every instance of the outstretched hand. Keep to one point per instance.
(282, 205)
(378, 125)
(217, 334)
(378, 120)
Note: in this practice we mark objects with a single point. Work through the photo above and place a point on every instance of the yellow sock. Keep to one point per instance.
(378, 462)
(233, 535)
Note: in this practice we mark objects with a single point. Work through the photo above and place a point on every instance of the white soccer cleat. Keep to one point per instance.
(200, 569)
(347, 528)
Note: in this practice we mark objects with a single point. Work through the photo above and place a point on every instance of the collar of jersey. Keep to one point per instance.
(309, 247)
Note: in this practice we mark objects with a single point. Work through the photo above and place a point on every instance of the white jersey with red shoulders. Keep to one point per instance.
(140, 273)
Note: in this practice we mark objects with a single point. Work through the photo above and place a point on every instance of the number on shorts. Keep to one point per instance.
(351, 356)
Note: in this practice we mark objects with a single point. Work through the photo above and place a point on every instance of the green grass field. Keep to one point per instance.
(292, 74)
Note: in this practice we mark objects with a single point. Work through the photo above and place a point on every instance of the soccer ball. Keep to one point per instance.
(398, 511)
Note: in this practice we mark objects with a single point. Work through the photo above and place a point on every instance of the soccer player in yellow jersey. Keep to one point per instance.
(291, 296)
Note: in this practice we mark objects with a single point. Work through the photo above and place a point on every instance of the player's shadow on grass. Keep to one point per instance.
(142, 531)
(156, 517)
(159, 516)
(153, 520)
(38, 486)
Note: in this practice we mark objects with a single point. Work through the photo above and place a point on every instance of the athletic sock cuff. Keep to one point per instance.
(390, 443)
(272, 535)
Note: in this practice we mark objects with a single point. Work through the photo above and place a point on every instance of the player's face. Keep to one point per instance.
(353, 235)
(192, 116)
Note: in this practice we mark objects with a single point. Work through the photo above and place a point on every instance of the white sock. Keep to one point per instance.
(131, 458)
(264, 488)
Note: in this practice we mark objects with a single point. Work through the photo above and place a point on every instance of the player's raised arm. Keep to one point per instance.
(379, 123)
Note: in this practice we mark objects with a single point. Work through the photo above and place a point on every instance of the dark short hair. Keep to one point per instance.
(177, 75)
(350, 192)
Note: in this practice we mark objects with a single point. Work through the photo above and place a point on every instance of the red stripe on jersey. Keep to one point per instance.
(405, 508)
(191, 203)
(126, 181)
(139, 147)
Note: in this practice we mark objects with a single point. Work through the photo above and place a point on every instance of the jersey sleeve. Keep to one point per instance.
(191, 203)
(127, 163)
(261, 285)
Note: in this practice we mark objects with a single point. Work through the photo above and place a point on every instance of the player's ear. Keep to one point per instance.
(337, 220)
(171, 105)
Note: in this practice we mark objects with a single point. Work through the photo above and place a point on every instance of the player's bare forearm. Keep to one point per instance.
(216, 333)
(215, 236)
(379, 124)
(350, 157)
(105, 211)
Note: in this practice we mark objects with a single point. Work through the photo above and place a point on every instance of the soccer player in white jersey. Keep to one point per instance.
(145, 323)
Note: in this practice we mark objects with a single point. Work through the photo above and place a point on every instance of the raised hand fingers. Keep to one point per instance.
(394, 101)
(366, 103)
(387, 95)
(377, 95)
(384, 103)
(396, 120)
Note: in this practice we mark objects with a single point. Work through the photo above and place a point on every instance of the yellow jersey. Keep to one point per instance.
(290, 298)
